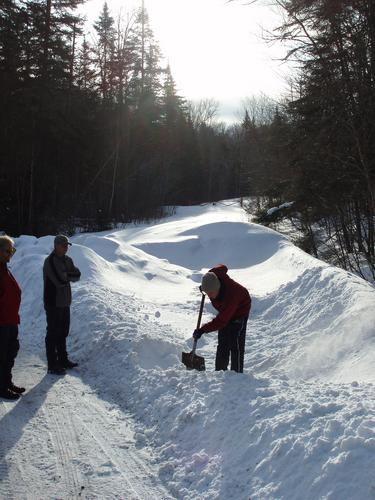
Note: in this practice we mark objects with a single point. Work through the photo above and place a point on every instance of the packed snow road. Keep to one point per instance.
(131, 422)
(61, 441)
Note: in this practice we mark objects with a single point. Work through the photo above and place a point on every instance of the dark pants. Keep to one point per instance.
(231, 342)
(58, 323)
(9, 347)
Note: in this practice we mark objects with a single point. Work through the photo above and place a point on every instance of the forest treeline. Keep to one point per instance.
(93, 129)
(319, 151)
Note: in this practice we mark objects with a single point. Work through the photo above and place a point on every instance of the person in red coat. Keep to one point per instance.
(233, 302)
(10, 300)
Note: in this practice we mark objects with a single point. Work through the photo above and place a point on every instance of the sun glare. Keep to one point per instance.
(214, 48)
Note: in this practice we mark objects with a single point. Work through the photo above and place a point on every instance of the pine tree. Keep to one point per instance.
(105, 30)
(85, 74)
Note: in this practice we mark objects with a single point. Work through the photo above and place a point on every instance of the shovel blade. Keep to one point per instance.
(193, 361)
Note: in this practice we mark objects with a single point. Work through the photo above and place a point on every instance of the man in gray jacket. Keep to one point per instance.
(58, 271)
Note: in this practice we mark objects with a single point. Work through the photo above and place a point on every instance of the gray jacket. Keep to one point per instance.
(58, 272)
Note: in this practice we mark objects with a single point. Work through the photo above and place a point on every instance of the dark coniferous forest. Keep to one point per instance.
(94, 131)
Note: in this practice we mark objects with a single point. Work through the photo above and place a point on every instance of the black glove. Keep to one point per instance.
(197, 334)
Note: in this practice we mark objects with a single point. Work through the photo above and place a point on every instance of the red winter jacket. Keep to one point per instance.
(10, 298)
(233, 301)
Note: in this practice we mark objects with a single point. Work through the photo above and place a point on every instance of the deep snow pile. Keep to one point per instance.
(299, 423)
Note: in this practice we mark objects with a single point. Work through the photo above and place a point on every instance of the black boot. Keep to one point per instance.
(56, 370)
(69, 364)
(8, 394)
(17, 390)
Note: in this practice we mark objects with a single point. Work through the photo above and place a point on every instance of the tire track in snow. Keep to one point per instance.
(65, 424)
(113, 461)
(64, 441)
(9, 469)
(141, 479)
(94, 448)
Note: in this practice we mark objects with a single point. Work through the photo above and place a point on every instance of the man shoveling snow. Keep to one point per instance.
(233, 302)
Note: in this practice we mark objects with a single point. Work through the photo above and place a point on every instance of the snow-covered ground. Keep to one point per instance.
(131, 422)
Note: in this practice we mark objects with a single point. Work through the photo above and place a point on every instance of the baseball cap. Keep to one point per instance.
(61, 239)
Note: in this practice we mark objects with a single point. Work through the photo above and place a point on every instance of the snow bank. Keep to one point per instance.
(298, 424)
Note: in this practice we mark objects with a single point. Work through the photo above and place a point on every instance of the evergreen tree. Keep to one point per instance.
(105, 31)
(85, 74)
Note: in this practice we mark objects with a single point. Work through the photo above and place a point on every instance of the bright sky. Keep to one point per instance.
(214, 48)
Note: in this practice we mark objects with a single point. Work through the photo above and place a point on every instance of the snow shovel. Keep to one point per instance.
(191, 360)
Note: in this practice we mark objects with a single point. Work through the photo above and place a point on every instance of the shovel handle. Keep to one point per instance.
(194, 347)
(199, 320)
(200, 309)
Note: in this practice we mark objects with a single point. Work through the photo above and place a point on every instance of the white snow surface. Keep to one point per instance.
(272, 210)
(132, 422)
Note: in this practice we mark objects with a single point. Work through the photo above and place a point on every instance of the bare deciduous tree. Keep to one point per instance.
(203, 112)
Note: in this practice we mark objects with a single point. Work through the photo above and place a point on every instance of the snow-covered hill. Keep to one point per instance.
(133, 423)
